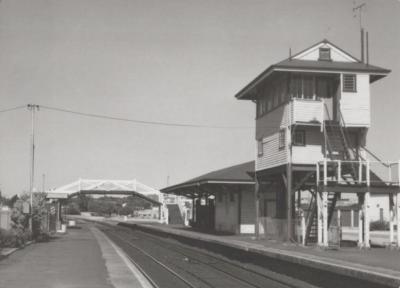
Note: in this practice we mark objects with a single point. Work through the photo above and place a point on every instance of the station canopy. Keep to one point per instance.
(107, 187)
(234, 175)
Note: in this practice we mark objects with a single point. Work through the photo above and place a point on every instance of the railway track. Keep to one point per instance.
(168, 264)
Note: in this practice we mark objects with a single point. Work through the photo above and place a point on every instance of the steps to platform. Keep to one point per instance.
(174, 215)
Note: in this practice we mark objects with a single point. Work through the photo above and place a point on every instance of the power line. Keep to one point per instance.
(137, 121)
(272, 124)
(13, 108)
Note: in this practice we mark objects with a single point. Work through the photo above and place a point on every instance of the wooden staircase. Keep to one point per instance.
(337, 148)
(337, 142)
(312, 220)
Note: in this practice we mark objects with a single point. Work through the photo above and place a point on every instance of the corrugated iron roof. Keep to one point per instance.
(330, 66)
(234, 174)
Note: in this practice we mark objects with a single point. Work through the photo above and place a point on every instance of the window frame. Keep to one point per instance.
(299, 132)
(282, 139)
(346, 89)
(298, 85)
(260, 147)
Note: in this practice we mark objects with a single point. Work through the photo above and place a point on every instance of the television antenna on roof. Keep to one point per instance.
(358, 10)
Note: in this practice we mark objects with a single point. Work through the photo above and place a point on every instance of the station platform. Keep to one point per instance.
(376, 265)
(83, 257)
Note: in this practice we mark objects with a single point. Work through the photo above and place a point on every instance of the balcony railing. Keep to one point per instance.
(306, 111)
(360, 172)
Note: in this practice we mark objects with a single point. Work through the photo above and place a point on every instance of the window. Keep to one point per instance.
(299, 138)
(276, 97)
(349, 83)
(325, 54)
(219, 197)
(308, 87)
(282, 139)
(283, 92)
(302, 87)
(232, 197)
(261, 106)
(323, 88)
(269, 102)
(295, 87)
(260, 147)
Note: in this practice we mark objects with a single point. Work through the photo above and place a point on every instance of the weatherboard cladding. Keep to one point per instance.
(267, 130)
(355, 106)
(306, 111)
(272, 155)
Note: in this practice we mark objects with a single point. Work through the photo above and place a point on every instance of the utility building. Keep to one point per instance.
(312, 118)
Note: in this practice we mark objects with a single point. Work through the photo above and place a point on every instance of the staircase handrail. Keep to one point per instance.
(311, 215)
(309, 209)
(342, 124)
(329, 146)
(377, 158)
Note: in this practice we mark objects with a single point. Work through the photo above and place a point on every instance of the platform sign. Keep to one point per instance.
(334, 237)
(26, 208)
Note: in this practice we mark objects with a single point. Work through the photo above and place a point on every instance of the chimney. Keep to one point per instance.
(362, 45)
(290, 54)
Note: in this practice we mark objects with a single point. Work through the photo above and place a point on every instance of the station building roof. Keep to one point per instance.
(237, 174)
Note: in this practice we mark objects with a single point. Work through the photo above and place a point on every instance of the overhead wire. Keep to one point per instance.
(139, 121)
(13, 108)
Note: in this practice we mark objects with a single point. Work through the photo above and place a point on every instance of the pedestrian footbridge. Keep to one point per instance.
(111, 187)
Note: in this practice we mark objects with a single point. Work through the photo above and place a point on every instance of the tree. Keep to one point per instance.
(83, 202)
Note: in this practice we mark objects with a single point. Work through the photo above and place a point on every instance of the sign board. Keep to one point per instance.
(26, 208)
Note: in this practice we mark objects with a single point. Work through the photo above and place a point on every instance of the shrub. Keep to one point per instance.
(73, 209)
(43, 237)
(7, 238)
(379, 226)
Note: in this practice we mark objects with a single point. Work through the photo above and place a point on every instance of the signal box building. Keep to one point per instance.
(313, 112)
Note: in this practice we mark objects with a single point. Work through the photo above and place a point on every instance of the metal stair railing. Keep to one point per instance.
(346, 141)
(312, 210)
(328, 145)
(345, 138)
(387, 165)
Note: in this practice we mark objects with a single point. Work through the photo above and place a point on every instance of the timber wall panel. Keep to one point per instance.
(355, 106)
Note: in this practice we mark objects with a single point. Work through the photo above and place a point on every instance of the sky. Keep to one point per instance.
(179, 61)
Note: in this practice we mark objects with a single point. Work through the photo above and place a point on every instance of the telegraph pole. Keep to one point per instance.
(33, 108)
(43, 182)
